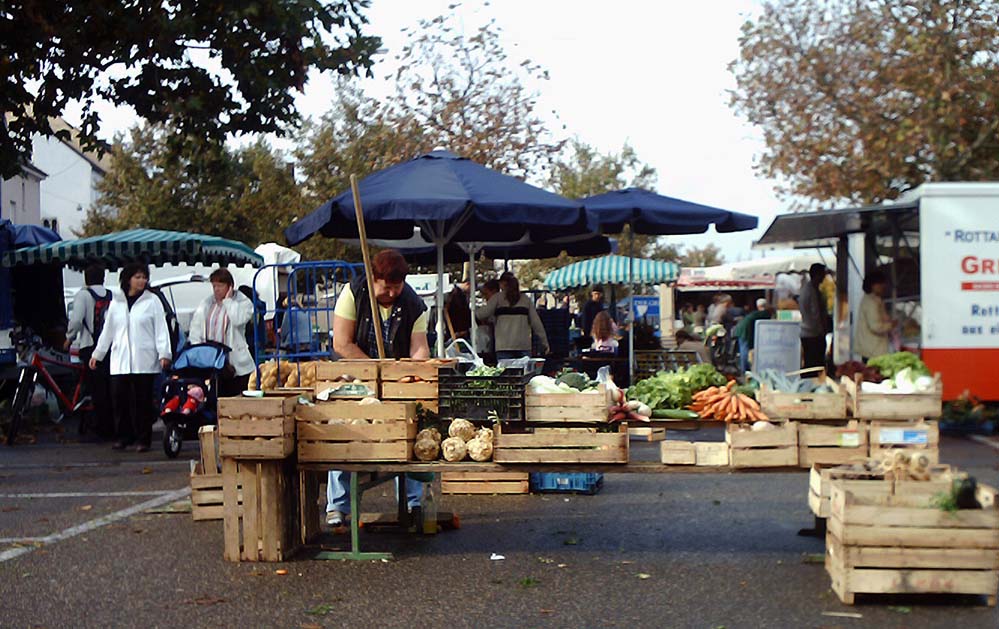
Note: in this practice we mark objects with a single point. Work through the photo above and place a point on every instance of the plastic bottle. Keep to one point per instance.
(429, 504)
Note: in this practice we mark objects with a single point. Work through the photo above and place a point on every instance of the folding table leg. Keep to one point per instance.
(354, 553)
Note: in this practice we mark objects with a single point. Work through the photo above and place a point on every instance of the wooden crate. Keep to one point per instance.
(763, 448)
(889, 540)
(561, 446)
(778, 404)
(711, 454)
(257, 428)
(831, 445)
(893, 405)
(264, 525)
(567, 407)
(206, 478)
(345, 431)
(913, 437)
(328, 375)
(821, 477)
(425, 389)
(485, 483)
(680, 453)
(647, 433)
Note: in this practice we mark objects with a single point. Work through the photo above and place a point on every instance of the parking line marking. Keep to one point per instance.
(88, 494)
(96, 523)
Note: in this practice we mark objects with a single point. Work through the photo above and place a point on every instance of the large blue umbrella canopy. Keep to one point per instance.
(651, 213)
(451, 199)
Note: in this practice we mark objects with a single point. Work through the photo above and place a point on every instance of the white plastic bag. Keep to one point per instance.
(460, 349)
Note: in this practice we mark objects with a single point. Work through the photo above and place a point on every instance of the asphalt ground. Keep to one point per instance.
(79, 548)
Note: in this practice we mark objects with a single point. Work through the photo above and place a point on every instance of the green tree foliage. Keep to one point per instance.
(708, 255)
(861, 100)
(155, 57)
(163, 180)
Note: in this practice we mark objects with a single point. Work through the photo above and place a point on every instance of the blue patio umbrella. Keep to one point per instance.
(451, 200)
(654, 214)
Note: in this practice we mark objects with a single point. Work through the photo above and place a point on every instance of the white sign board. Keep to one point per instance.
(960, 271)
(777, 345)
(425, 284)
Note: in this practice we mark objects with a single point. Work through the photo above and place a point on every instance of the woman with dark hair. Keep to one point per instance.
(515, 318)
(870, 337)
(136, 335)
(602, 332)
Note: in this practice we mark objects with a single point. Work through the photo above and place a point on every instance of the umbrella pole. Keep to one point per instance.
(376, 319)
(631, 304)
(440, 299)
(471, 294)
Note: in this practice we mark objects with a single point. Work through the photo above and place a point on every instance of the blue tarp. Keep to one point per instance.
(15, 237)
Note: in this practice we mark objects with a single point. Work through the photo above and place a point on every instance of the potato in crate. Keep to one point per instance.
(257, 428)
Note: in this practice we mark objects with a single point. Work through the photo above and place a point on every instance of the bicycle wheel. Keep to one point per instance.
(22, 400)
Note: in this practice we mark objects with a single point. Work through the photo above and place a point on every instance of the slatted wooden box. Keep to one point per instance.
(681, 453)
(345, 431)
(914, 437)
(781, 405)
(893, 405)
(777, 447)
(892, 540)
(257, 428)
(555, 408)
(831, 445)
(646, 433)
(329, 375)
(260, 513)
(424, 388)
(561, 445)
(821, 477)
(206, 478)
(485, 483)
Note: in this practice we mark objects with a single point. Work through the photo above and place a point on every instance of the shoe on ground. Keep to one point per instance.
(335, 519)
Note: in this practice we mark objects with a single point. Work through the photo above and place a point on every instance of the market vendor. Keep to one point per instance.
(404, 332)
(745, 331)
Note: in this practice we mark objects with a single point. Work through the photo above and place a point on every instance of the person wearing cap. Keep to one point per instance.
(592, 308)
(745, 331)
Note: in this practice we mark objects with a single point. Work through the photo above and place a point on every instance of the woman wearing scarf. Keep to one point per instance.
(222, 318)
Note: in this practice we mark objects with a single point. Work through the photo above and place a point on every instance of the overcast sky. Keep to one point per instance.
(652, 74)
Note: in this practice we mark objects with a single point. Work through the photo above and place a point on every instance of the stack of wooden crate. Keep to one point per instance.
(331, 375)
(206, 479)
(775, 447)
(344, 431)
(412, 381)
(259, 480)
(894, 538)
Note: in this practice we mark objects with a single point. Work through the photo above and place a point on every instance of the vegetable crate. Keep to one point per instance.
(567, 407)
(206, 479)
(681, 453)
(257, 428)
(920, 437)
(566, 482)
(821, 477)
(893, 405)
(646, 433)
(411, 379)
(260, 513)
(345, 371)
(484, 483)
(777, 447)
(779, 404)
(344, 431)
(482, 397)
(560, 445)
(884, 539)
(831, 445)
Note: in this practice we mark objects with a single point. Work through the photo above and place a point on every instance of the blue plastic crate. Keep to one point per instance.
(566, 482)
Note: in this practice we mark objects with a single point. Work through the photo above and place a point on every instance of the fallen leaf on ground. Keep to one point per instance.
(545, 560)
(280, 572)
(546, 611)
(901, 609)
(10, 509)
(321, 610)
(627, 562)
(561, 565)
(572, 541)
(147, 470)
(86, 507)
(818, 558)
(310, 625)
(642, 575)
(205, 600)
(843, 614)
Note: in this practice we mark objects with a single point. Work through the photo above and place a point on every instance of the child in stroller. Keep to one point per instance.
(190, 393)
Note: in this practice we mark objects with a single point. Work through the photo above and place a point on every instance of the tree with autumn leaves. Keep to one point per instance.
(860, 101)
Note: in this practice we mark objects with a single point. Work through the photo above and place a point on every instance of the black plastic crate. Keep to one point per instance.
(478, 397)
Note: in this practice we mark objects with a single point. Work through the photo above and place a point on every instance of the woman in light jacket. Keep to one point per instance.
(222, 318)
(874, 326)
(135, 333)
(515, 318)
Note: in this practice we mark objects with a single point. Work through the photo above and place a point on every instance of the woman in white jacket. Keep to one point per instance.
(135, 333)
(222, 318)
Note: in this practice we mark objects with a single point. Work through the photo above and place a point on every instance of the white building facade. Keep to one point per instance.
(20, 196)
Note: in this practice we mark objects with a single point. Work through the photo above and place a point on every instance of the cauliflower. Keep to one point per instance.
(461, 428)
(485, 434)
(454, 449)
(429, 433)
(426, 449)
(480, 449)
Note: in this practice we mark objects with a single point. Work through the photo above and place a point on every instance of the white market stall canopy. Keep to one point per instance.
(749, 275)
(611, 270)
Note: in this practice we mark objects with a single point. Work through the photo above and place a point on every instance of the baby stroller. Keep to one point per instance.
(190, 393)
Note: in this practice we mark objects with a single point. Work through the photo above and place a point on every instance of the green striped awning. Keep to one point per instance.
(152, 246)
(611, 270)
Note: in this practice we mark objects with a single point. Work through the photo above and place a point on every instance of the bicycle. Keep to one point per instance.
(47, 367)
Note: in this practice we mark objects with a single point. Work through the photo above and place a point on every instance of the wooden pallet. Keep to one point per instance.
(914, 437)
(890, 540)
(778, 404)
(565, 445)
(831, 445)
(344, 432)
(485, 483)
(264, 525)
(257, 428)
(567, 407)
(763, 448)
(893, 405)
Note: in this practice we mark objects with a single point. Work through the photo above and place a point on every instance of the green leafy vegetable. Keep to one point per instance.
(675, 389)
(891, 364)
(487, 371)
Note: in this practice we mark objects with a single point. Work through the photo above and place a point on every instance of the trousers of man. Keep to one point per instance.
(98, 385)
(338, 492)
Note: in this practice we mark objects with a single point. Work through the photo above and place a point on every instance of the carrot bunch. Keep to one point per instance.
(726, 404)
